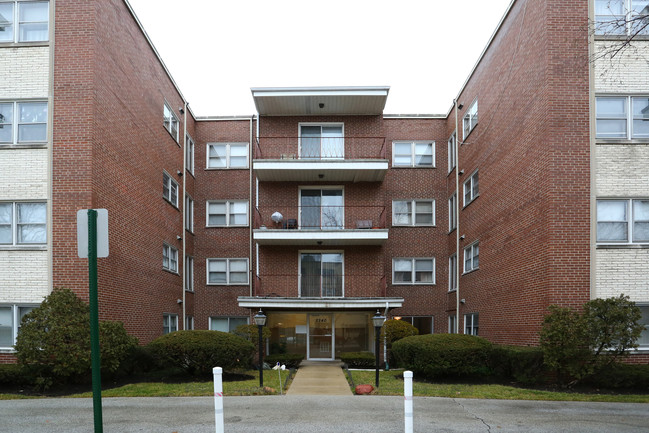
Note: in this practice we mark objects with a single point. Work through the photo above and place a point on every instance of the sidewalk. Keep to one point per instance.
(319, 378)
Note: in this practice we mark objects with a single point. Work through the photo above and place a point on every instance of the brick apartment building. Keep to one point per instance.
(320, 209)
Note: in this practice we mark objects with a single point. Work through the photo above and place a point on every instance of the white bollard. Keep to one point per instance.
(218, 399)
(407, 404)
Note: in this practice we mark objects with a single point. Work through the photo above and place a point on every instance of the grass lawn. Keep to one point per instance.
(391, 383)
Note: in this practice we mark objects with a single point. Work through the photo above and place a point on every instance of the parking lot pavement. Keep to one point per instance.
(312, 414)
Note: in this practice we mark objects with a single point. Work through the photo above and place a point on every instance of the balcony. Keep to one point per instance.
(320, 286)
(320, 225)
(313, 159)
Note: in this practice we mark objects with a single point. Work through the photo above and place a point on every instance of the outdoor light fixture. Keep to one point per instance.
(321, 105)
(377, 320)
(260, 321)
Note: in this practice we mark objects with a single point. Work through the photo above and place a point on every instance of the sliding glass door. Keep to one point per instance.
(322, 142)
(321, 209)
(321, 275)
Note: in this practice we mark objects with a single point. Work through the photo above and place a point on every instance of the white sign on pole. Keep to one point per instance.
(102, 233)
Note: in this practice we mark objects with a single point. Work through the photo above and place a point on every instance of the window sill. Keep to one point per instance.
(9, 350)
(622, 246)
(225, 168)
(604, 37)
(228, 285)
(414, 284)
(189, 291)
(24, 146)
(227, 227)
(622, 141)
(24, 44)
(171, 203)
(468, 135)
(171, 272)
(469, 203)
(452, 230)
(472, 270)
(175, 139)
(413, 226)
(23, 247)
(413, 166)
(191, 173)
(452, 291)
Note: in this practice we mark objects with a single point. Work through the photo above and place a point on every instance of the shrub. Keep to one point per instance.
(435, 356)
(251, 333)
(290, 360)
(54, 341)
(522, 364)
(358, 359)
(622, 376)
(394, 330)
(138, 360)
(198, 352)
(12, 374)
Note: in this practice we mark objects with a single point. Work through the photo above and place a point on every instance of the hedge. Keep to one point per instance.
(290, 360)
(522, 364)
(358, 359)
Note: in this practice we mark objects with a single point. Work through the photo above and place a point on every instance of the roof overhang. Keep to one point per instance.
(320, 101)
(319, 303)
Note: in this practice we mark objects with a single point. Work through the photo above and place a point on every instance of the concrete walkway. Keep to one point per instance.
(319, 378)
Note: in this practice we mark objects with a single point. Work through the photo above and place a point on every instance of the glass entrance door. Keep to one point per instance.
(321, 337)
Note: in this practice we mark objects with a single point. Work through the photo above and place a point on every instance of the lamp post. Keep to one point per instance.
(260, 321)
(378, 323)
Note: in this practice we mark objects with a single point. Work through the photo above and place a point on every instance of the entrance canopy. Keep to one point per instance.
(320, 303)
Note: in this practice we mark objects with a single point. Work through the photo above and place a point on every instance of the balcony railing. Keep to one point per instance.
(320, 286)
(319, 217)
(321, 148)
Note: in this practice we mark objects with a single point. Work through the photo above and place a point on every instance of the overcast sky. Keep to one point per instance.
(217, 50)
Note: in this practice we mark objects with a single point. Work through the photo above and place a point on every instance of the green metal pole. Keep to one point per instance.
(94, 320)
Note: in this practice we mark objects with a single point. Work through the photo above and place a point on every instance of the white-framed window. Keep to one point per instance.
(169, 189)
(169, 258)
(622, 117)
(189, 213)
(23, 223)
(23, 122)
(227, 324)
(11, 317)
(189, 273)
(472, 257)
(452, 273)
(413, 212)
(623, 221)
(413, 154)
(470, 119)
(229, 272)
(24, 21)
(452, 155)
(452, 319)
(425, 324)
(227, 155)
(227, 213)
(189, 154)
(413, 270)
(471, 324)
(452, 212)
(169, 323)
(471, 188)
(189, 323)
(171, 122)
(621, 17)
(322, 141)
(643, 341)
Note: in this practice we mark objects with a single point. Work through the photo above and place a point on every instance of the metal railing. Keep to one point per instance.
(320, 148)
(320, 286)
(319, 217)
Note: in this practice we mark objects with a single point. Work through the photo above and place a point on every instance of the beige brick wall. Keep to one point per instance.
(23, 276)
(624, 270)
(24, 174)
(622, 170)
(24, 72)
(627, 72)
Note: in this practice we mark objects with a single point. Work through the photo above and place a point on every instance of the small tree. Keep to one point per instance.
(394, 330)
(577, 345)
(54, 340)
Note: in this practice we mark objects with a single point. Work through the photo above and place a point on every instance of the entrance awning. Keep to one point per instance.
(319, 303)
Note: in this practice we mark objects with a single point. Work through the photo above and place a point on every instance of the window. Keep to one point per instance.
(620, 17)
(423, 323)
(11, 317)
(324, 141)
(227, 324)
(623, 221)
(452, 156)
(23, 122)
(321, 275)
(227, 272)
(189, 154)
(413, 213)
(452, 273)
(471, 257)
(471, 324)
(471, 190)
(189, 273)
(413, 154)
(452, 328)
(169, 323)
(189, 323)
(623, 117)
(189, 213)
(169, 258)
(227, 155)
(322, 209)
(227, 213)
(32, 19)
(171, 122)
(452, 213)
(643, 341)
(23, 223)
(470, 119)
(413, 271)
(169, 189)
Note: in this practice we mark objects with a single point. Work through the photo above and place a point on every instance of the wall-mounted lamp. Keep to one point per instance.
(462, 301)
(462, 237)
(179, 301)
(460, 106)
(320, 176)
(179, 238)
(461, 172)
(319, 242)
(182, 110)
(179, 173)
(321, 105)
